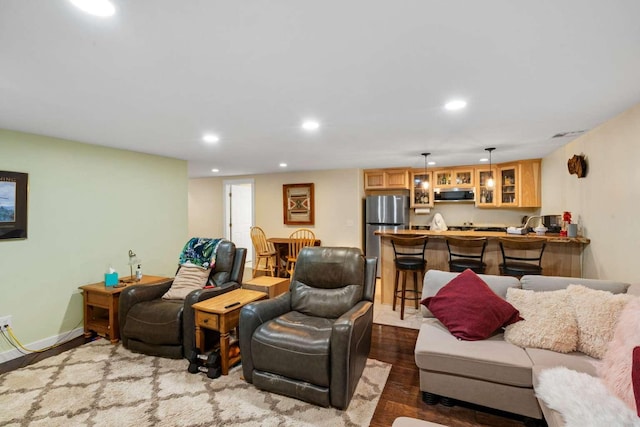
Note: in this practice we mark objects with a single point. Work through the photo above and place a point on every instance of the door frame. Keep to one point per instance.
(226, 185)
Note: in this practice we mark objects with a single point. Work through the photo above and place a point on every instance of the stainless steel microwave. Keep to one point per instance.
(454, 195)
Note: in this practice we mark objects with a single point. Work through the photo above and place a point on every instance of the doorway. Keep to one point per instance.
(239, 214)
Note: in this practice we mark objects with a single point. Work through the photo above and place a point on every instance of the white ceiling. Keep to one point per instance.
(160, 73)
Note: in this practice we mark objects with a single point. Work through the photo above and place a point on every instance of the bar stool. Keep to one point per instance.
(512, 264)
(408, 258)
(463, 253)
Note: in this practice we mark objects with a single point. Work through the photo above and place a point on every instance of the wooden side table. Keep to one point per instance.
(222, 314)
(272, 286)
(101, 306)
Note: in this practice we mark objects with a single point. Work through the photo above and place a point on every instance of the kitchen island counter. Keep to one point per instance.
(562, 256)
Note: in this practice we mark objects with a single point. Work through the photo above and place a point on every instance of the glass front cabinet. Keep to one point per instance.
(421, 189)
(443, 178)
(509, 181)
(486, 195)
(463, 178)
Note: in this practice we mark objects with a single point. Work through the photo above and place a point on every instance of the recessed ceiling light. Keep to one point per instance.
(310, 125)
(484, 159)
(215, 170)
(211, 139)
(431, 163)
(283, 165)
(457, 104)
(102, 8)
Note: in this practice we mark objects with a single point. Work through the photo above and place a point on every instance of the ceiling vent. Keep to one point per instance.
(571, 134)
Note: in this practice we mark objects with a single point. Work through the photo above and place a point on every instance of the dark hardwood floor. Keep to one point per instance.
(32, 358)
(402, 397)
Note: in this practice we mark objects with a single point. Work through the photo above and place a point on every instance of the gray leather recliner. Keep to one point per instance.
(312, 343)
(166, 328)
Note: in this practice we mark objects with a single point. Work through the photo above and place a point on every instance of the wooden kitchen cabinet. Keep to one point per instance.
(373, 179)
(397, 178)
(516, 184)
(520, 185)
(457, 177)
(463, 178)
(486, 196)
(386, 179)
(443, 178)
(530, 194)
(421, 197)
(509, 184)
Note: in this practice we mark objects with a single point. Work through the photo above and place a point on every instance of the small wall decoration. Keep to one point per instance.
(578, 165)
(298, 204)
(13, 205)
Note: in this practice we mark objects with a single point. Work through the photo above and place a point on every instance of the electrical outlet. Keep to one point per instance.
(5, 321)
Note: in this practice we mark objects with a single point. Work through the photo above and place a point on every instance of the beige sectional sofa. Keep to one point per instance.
(493, 372)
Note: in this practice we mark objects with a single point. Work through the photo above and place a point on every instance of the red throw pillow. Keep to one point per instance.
(470, 309)
(635, 377)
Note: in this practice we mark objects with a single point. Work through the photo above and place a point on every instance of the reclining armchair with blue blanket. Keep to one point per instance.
(155, 326)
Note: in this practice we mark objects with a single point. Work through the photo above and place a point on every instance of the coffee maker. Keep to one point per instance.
(552, 222)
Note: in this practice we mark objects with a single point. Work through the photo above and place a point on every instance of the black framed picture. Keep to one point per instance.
(14, 187)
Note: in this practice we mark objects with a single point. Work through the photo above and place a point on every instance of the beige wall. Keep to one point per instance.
(206, 212)
(88, 206)
(338, 199)
(605, 203)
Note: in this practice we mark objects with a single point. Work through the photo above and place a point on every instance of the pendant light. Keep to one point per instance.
(490, 182)
(425, 182)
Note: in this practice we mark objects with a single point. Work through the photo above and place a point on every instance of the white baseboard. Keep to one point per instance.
(43, 343)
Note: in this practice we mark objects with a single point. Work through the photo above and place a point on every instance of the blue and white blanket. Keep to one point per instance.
(200, 252)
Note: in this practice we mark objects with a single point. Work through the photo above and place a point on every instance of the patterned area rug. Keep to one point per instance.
(99, 384)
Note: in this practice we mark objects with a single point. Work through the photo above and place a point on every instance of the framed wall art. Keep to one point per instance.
(298, 204)
(13, 205)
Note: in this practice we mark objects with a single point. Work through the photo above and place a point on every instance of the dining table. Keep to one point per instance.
(281, 244)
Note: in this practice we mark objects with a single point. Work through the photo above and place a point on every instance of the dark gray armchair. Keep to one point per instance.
(312, 343)
(166, 328)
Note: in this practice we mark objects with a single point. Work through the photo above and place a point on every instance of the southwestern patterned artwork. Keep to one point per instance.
(298, 204)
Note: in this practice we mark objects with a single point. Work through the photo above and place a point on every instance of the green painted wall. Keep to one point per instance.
(88, 205)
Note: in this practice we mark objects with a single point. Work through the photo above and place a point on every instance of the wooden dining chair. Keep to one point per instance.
(264, 251)
(297, 240)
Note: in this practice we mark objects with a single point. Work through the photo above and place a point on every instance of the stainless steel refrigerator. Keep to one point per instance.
(383, 213)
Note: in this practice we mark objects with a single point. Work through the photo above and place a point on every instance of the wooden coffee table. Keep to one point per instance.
(222, 314)
(272, 286)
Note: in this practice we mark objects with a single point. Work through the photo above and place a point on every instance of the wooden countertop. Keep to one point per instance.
(551, 238)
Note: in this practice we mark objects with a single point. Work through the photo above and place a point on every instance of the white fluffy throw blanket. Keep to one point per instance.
(583, 400)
